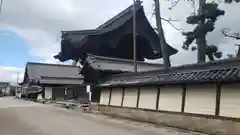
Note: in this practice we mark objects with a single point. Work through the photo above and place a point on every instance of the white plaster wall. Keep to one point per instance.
(130, 97)
(148, 97)
(201, 99)
(116, 97)
(230, 100)
(39, 96)
(104, 99)
(170, 98)
(48, 92)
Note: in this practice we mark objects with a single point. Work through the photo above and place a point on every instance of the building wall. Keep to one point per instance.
(170, 98)
(116, 97)
(48, 92)
(208, 125)
(193, 107)
(230, 100)
(105, 96)
(58, 93)
(130, 97)
(201, 99)
(148, 97)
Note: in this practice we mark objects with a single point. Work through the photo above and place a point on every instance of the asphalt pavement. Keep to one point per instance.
(19, 117)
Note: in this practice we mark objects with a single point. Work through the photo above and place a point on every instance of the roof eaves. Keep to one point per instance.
(70, 78)
(48, 64)
(91, 56)
(102, 28)
(124, 12)
(211, 75)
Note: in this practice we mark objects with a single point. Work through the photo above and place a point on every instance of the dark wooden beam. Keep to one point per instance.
(123, 94)
(158, 95)
(110, 96)
(138, 97)
(183, 97)
(218, 98)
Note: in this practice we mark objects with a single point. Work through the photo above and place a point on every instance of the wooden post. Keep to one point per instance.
(183, 98)
(123, 94)
(138, 97)
(110, 96)
(218, 99)
(157, 101)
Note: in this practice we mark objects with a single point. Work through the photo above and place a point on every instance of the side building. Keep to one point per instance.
(96, 67)
(56, 82)
(5, 88)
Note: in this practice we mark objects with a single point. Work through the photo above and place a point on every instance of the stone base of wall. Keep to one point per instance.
(213, 126)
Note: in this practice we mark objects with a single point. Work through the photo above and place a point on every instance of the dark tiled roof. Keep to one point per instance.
(119, 65)
(78, 38)
(53, 72)
(4, 84)
(209, 72)
(110, 25)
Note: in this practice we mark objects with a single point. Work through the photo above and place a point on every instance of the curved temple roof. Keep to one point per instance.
(74, 41)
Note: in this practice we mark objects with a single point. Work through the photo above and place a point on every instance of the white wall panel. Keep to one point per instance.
(48, 92)
(130, 97)
(230, 100)
(148, 97)
(201, 99)
(116, 97)
(104, 99)
(170, 98)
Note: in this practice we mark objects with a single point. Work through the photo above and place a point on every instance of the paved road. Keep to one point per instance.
(18, 117)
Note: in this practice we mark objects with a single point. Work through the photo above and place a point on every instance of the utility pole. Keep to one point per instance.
(134, 38)
(161, 36)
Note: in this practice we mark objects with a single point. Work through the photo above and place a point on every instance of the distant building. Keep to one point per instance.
(5, 88)
(53, 81)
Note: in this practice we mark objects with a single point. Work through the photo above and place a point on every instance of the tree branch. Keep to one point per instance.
(174, 4)
(226, 33)
(169, 21)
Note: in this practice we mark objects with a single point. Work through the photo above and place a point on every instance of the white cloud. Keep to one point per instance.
(10, 74)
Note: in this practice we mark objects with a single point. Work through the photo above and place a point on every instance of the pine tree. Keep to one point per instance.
(205, 21)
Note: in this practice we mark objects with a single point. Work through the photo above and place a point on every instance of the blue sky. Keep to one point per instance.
(14, 50)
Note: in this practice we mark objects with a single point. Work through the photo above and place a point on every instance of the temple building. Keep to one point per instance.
(114, 38)
(202, 97)
(53, 82)
(108, 49)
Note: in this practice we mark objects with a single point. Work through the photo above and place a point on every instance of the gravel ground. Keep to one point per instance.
(18, 117)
